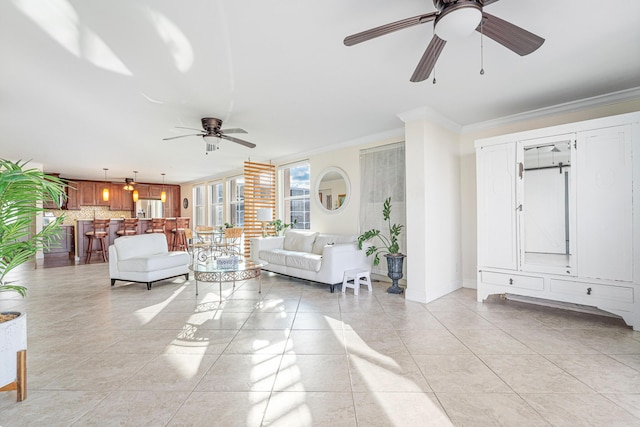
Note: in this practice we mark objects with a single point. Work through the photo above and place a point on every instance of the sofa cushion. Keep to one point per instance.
(299, 241)
(154, 262)
(323, 240)
(273, 256)
(303, 261)
(141, 245)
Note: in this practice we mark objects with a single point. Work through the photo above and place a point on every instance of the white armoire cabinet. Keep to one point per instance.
(557, 216)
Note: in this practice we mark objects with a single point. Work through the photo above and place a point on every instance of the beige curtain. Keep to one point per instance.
(382, 174)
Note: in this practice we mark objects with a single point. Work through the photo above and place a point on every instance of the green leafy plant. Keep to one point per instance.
(278, 225)
(22, 194)
(389, 243)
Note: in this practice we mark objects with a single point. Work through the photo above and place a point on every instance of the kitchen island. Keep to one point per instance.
(82, 226)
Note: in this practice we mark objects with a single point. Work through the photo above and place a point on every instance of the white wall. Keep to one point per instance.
(344, 221)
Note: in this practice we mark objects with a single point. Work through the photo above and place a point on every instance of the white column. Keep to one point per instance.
(433, 206)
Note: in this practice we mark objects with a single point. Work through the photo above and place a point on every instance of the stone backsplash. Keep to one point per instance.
(90, 212)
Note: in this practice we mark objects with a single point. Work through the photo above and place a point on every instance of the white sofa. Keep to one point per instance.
(145, 258)
(310, 255)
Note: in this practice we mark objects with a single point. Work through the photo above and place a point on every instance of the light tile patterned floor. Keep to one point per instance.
(298, 355)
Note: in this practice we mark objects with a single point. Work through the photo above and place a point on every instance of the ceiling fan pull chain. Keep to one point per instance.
(434, 74)
(481, 49)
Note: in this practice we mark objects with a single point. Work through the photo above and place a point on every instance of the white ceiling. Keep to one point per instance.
(87, 84)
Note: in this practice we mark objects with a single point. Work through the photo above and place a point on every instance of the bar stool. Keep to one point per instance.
(157, 225)
(129, 227)
(101, 232)
(179, 239)
(359, 277)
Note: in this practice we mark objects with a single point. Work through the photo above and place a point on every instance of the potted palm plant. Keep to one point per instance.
(390, 248)
(23, 191)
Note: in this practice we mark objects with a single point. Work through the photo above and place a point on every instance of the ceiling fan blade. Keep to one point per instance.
(181, 136)
(388, 28)
(183, 127)
(488, 2)
(233, 130)
(428, 60)
(509, 35)
(239, 141)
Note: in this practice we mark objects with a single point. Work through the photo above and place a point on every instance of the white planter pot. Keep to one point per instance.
(13, 338)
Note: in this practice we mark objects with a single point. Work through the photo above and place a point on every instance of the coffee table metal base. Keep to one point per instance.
(228, 276)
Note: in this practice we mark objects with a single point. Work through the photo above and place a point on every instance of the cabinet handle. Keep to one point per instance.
(511, 281)
(588, 291)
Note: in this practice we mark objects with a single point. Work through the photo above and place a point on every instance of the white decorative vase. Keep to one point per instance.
(13, 338)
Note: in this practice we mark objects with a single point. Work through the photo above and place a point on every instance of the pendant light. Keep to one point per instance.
(135, 192)
(163, 195)
(105, 190)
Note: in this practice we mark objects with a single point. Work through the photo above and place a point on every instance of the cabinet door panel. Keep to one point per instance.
(604, 200)
(496, 207)
(86, 193)
(72, 196)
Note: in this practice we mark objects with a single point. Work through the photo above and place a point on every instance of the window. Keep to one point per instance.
(216, 204)
(236, 201)
(199, 206)
(296, 186)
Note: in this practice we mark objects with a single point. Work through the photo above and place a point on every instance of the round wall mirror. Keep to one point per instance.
(333, 189)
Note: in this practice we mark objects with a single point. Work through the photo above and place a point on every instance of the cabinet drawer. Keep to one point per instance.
(597, 291)
(513, 280)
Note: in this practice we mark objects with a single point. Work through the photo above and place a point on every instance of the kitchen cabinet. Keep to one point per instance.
(143, 191)
(72, 196)
(53, 204)
(90, 193)
(120, 199)
(557, 219)
(154, 191)
(62, 244)
(172, 205)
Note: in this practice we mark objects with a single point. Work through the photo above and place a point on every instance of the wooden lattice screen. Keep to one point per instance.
(259, 192)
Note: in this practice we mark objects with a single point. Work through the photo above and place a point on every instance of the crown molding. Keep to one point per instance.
(397, 134)
(432, 115)
(567, 107)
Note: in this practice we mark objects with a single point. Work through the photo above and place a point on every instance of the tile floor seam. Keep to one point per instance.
(606, 396)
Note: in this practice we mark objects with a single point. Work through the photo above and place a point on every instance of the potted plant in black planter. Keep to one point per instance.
(23, 191)
(390, 248)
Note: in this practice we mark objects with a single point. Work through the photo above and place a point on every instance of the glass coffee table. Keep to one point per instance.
(210, 272)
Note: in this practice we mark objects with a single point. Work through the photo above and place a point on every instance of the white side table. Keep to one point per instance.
(359, 277)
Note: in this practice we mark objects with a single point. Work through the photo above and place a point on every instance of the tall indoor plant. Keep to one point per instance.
(23, 191)
(390, 248)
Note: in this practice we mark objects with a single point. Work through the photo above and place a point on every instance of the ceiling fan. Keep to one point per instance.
(211, 132)
(453, 19)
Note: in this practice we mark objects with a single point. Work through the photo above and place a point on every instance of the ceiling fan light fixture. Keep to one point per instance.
(212, 142)
(128, 186)
(458, 21)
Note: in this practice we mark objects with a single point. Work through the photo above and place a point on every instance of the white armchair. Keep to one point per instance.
(145, 258)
